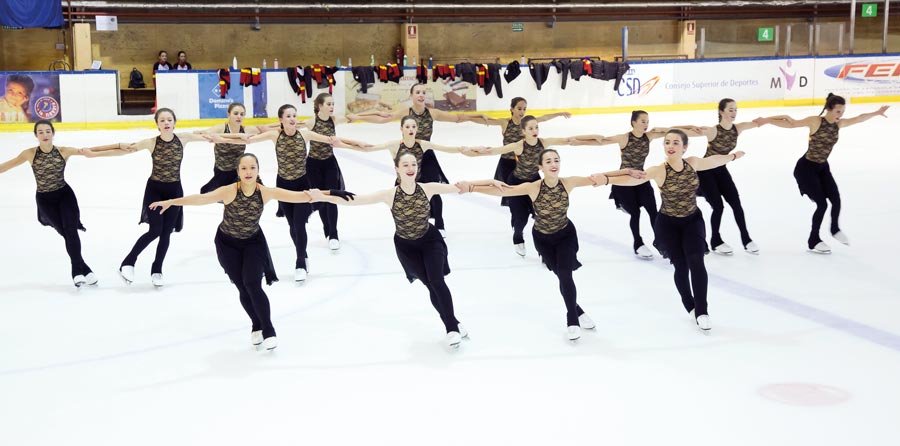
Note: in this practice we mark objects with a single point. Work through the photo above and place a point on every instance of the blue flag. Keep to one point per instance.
(31, 13)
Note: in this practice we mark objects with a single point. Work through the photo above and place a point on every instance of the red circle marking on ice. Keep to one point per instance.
(804, 394)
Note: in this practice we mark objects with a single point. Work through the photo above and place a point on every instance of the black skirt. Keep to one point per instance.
(505, 166)
(296, 185)
(253, 249)
(413, 252)
(512, 180)
(558, 250)
(159, 191)
(220, 178)
(50, 207)
(629, 198)
(430, 171)
(811, 176)
(711, 181)
(684, 236)
(325, 175)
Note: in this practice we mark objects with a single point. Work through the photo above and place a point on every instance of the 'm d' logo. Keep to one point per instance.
(46, 107)
(883, 71)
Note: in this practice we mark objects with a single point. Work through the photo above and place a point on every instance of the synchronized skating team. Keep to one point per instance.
(527, 177)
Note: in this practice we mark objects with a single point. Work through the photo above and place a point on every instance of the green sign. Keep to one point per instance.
(765, 34)
(870, 10)
(518, 27)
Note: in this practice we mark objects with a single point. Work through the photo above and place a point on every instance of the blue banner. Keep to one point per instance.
(259, 97)
(212, 105)
(31, 13)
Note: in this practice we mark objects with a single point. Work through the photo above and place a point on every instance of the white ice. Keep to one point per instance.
(805, 348)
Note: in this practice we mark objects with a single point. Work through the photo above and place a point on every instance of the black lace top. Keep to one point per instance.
(634, 154)
(167, 158)
(550, 208)
(241, 217)
(822, 142)
(425, 123)
(513, 133)
(411, 213)
(227, 155)
(679, 191)
(49, 169)
(724, 142)
(290, 151)
(529, 161)
(322, 150)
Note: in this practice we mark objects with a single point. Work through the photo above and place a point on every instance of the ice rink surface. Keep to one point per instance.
(805, 348)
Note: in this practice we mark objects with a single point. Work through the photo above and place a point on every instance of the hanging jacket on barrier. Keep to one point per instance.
(422, 74)
(492, 79)
(467, 72)
(323, 76)
(389, 73)
(562, 67)
(539, 72)
(609, 70)
(297, 79)
(224, 81)
(365, 76)
(446, 72)
(512, 71)
(250, 77)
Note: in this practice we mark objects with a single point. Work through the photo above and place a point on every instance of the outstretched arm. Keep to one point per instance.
(218, 128)
(191, 137)
(440, 115)
(598, 140)
(490, 187)
(20, 159)
(746, 126)
(711, 162)
(863, 117)
(383, 196)
(432, 189)
(224, 193)
(655, 173)
(381, 117)
(550, 116)
(787, 122)
(288, 196)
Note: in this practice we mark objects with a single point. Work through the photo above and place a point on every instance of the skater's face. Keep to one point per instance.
(730, 112)
(407, 167)
(44, 133)
(248, 169)
(531, 128)
(165, 122)
(550, 163)
(289, 118)
(836, 113)
(642, 122)
(418, 94)
(675, 146)
(328, 105)
(236, 115)
(518, 111)
(410, 128)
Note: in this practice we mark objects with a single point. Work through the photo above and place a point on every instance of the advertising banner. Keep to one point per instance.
(443, 95)
(212, 105)
(29, 97)
(858, 76)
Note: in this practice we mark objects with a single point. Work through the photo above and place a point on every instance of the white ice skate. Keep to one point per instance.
(821, 248)
(704, 324)
(463, 333)
(79, 280)
(127, 273)
(256, 338)
(300, 276)
(157, 280)
(643, 253)
(586, 322)
(841, 237)
(269, 343)
(443, 233)
(752, 248)
(90, 279)
(573, 332)
(453, 339)
(334, 244)
(519, 248)
(723, 250)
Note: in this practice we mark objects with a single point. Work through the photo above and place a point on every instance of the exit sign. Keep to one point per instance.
(765, 35)
(518, 27)
(870, 10)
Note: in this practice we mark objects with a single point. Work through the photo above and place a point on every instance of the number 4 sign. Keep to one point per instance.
(870, 10)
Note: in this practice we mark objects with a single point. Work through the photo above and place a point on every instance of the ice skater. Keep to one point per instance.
(226, 155)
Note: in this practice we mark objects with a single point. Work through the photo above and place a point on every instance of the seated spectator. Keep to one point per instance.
(162, 64)
(183, 64)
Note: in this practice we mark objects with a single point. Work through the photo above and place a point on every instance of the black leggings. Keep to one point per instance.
(297, 215)
(717, 184)
(520, 208)
(59, 209)
(426, 260)
(683, 241)
(161, 225)
(817, 183)
(325, 175)
(631, 200)
(245, 261)
(569, 294)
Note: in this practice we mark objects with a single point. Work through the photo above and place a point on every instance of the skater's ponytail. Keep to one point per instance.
(831, 101)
